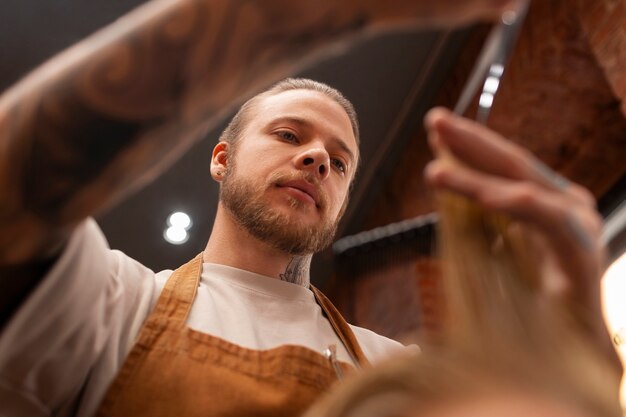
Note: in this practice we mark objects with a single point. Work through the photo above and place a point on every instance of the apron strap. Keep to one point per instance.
(176, 299)
(342, 329)
(174, 303)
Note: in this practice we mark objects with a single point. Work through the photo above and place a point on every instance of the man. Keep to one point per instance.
(89, 330)
(285, 163)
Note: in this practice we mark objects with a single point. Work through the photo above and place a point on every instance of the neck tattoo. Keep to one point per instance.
(297, 270)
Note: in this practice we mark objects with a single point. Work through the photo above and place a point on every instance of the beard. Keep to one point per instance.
(245, 201)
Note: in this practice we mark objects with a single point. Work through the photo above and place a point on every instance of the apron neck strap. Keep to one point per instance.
(177, 297)
(174, 303)
(342, 329)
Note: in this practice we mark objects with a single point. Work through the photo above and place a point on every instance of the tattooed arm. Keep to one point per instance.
(98, 120)
(110, 113)
(101, 119)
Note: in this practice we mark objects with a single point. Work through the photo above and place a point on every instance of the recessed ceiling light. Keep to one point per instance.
(178, 222)
(179, 219)
(176, 235)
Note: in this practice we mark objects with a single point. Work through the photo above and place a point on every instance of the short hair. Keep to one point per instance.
(233, 132)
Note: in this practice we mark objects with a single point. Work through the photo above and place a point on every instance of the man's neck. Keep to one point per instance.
(230, 244)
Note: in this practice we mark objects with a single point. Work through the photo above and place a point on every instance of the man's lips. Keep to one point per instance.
(304, 190)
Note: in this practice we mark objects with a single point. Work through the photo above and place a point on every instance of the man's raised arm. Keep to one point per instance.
(110, 113)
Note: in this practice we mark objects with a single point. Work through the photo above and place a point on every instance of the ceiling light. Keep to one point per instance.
(179, 219)
(179, 223)
(176, 235)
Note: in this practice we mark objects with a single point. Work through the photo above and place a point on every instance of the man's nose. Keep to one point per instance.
(315, 160)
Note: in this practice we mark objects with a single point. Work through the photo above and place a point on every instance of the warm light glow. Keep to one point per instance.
(614, 303)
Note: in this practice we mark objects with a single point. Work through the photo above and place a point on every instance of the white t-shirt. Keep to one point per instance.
(63, 347)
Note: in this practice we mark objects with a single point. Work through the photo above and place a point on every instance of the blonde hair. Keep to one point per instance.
(234, 130)
(499, 334)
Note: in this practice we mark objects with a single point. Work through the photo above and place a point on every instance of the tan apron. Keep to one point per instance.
(175, 371)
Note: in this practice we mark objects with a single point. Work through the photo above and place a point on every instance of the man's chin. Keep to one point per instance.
(287, 224)
(298, 215)
(300, 239)
(300, 207)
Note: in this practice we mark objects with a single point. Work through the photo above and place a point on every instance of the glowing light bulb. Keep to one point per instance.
(179, 223)
(176, 235)
(179, 219)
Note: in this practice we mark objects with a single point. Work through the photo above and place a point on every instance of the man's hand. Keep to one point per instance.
(503, 177)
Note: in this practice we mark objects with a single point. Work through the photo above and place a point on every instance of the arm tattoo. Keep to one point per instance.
(109, 114)
(297, 271)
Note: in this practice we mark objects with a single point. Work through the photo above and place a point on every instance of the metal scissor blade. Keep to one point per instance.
(490, 64)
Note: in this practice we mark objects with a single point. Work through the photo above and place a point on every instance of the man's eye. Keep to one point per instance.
(339, 165)
(288, 136)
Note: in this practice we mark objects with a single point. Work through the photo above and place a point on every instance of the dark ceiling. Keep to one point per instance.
(388, 78)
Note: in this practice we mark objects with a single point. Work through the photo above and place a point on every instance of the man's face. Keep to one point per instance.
(289, 179)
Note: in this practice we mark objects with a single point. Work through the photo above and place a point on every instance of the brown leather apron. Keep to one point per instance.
(175, 371)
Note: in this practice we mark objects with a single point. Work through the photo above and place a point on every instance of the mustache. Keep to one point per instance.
(283, 177)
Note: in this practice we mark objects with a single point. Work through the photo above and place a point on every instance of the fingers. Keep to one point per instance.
(485, 150)
(558, 213)
(503, 177)
(473, 144)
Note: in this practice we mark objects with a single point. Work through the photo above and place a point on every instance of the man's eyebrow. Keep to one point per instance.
(308, 125)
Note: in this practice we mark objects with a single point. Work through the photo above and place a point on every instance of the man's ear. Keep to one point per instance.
(219, 161)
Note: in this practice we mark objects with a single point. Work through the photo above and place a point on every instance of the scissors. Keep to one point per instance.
(490, 64)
